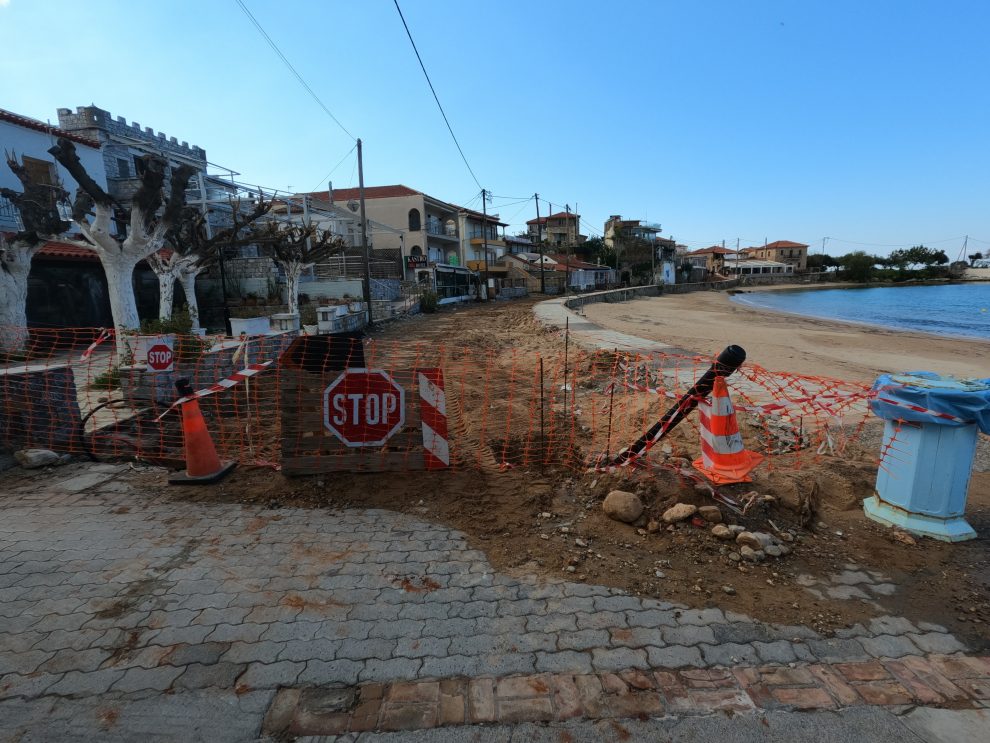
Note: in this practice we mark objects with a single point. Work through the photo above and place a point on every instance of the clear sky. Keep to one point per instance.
(863, 121)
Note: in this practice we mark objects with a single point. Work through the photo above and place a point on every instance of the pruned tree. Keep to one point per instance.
(974, 257)
(146, 230)
(296, 248)
(38, 206)
(193, 250)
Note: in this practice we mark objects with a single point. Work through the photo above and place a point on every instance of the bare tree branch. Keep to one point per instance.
(65, 153)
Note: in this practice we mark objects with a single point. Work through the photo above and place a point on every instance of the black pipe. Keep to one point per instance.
(727, 362)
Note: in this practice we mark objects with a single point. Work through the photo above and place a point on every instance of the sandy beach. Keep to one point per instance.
(707, 321)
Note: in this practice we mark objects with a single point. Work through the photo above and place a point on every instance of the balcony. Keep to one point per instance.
(441, 230)
(10, 217)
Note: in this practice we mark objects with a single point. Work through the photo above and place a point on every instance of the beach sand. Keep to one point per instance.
(706, 322)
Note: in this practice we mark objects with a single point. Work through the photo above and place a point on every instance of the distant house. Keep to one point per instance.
(584, 276)
(711, 259)
(473, 228)
(782, 251)
(562, 228)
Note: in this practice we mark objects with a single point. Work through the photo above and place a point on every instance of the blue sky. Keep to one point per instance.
(862, 121)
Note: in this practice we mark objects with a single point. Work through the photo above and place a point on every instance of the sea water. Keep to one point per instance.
(943, 309)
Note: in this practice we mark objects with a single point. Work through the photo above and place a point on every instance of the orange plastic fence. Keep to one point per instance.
(500, 409)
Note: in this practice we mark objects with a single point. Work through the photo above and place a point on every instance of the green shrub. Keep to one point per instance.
(108, 380)
(428, 302)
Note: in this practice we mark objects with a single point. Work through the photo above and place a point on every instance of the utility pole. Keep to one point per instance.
(484, 234)
(364, 236)
(539, 241)
(567, 249)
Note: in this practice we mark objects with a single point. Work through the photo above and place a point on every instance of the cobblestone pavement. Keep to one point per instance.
(125, 613)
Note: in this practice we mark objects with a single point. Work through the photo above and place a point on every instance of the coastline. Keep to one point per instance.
(785, 341)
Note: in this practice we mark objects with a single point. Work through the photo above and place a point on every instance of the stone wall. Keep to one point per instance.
(39, 408)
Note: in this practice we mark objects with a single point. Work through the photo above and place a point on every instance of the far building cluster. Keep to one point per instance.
(416, 240)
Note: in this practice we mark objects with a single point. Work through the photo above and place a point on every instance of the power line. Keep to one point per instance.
(435, 97)
(334, 168)
(292, 69)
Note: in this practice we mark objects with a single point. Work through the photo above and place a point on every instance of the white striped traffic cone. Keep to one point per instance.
(723, 459)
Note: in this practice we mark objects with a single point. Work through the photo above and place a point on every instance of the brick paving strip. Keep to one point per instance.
(951, 681)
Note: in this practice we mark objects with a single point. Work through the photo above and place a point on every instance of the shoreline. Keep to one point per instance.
(856, 323)
(787, 341)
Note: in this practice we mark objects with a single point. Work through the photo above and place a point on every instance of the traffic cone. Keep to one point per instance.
(203, 466)
(723, 459)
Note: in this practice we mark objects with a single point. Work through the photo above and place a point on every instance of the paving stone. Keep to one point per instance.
(837, 650)
(688, 635)
(743, 632)
(303, 650)
(252, 652)
(567, 661)
(779, 651)
(889, 646)
(637, 637)
(674, 656)
(393, 668)
(936, 642)
(271, 675)
(237, 633)
(651, 618)
(322, 672)
(729, 654)
(363, 649)
(422, 646)
(552, 623)
(151, 679)
(454, 666)
(700, 617)
(205, 653)
(600, 620)
(891, 626)
(198, 676)
(618, 659)
(583, 639)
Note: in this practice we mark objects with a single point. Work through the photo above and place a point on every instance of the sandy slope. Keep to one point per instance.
(707, 321)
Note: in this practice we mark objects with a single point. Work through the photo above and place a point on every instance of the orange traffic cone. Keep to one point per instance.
(723, 459)
(203, 466)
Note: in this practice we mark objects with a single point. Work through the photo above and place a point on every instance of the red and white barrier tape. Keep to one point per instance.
(104, 335)
(224, 384)
(919, 409)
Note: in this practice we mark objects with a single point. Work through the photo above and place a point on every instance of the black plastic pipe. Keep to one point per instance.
(727, 362)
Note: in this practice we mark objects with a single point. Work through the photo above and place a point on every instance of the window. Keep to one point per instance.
(414, 223)
(123, 168)
(40, 171)
(416, 250)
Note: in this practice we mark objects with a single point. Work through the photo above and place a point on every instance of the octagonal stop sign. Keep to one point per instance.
(364, 407)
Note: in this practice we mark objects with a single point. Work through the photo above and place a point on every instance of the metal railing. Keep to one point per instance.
(352, 267)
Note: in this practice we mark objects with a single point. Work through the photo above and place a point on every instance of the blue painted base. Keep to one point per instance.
(948, 530)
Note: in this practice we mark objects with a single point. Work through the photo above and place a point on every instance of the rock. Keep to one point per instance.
(729, 590)
(702, 487)
(570, 569)
(721, 531)
(751, 555)
(898, 536)
(754, 539)
(786, 536)
(580, 543)
(33, 458)
(773, 550)
(653, 526)
(642, 532)
(711, 514)
(736, 529)
(679, 512)
(734, 556)
(622, 506)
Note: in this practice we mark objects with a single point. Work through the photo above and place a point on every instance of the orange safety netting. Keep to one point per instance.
(453, 405)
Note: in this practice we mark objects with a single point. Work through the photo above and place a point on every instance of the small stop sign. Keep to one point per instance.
(364, 407)
(160, 357)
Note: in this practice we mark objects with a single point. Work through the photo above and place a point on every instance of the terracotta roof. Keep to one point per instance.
(558, 215)
(785, 244)
(370, 192)
(65, 251)
(713, 250)
(41, 126)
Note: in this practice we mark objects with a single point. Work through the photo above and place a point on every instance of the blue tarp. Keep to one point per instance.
(965, 399)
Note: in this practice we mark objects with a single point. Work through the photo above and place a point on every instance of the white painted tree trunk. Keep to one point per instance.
(166, 294)
(119, 270)
(13, 297)
(293, 270)
(188, 280)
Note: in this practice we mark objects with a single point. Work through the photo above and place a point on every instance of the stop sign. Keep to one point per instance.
(364, 407)
(160, 357)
